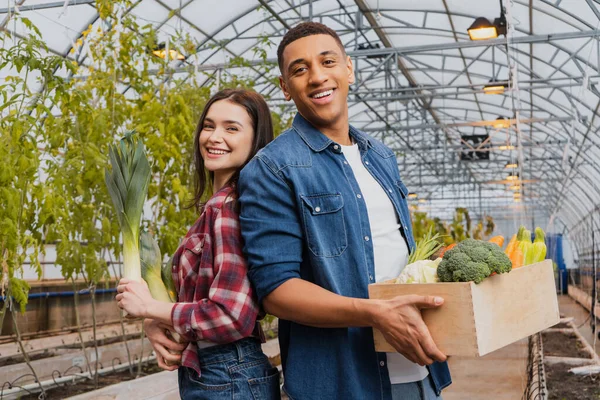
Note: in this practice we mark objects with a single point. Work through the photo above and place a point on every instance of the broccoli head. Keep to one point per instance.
(473, 260)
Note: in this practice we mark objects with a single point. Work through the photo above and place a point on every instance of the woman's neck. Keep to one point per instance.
(220, 180)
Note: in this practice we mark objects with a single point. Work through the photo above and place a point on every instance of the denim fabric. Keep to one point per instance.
(235, 371)
(301, 217)
(422, 390)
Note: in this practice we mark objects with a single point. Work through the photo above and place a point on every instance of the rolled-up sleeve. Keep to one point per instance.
(270, 227)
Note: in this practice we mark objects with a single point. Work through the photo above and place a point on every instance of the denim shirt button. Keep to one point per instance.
(390, 190)
(381, 363)
(366, 238)
(317, 209)
(346, 162)
(371, 277)
(366, 163)
(336, 147)
(359, 196)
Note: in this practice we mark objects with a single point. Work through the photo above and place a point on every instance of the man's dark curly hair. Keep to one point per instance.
(301, 30)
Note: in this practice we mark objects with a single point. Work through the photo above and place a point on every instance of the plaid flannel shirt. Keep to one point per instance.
(216, 302)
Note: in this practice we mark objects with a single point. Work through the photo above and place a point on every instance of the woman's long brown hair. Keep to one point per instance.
(259, 113)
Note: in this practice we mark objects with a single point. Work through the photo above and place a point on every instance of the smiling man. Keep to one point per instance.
(323, 215)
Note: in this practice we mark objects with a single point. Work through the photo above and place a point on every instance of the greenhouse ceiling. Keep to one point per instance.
(528, 152)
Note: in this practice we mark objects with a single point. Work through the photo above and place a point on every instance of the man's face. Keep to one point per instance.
(316, 76)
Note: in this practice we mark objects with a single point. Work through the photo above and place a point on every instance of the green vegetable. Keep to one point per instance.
(166, 272)
(539, 246)
(152, 272)
(151, 262)
(128, 186)
(526, 247)
(426, 247)
(423, 271)
(473, 260)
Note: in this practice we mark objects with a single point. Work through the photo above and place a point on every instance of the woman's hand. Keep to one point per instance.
(134, 297)
(168, 352)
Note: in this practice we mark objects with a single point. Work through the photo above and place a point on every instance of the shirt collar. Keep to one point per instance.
(319, 142)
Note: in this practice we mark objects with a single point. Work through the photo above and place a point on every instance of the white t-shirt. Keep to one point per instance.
(390, 250)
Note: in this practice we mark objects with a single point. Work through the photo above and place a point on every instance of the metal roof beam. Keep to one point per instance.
(473, 123)
(42, 6)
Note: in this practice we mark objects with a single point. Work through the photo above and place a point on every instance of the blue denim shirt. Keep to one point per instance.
(301, 218)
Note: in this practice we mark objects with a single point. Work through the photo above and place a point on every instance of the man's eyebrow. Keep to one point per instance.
(302, 60)
(329, 53)
(295, 62)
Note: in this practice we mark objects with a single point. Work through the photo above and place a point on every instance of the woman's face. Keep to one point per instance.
(226, 139)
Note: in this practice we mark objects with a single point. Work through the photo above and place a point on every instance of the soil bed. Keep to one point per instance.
(84, 386)
(563, 385)
(563, 345)
(18, 358)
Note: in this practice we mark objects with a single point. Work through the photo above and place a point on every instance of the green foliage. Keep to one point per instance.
(460, 228)
(55, 135)
(26, 212)
(422, 224)
(461, 225)
(19, 290)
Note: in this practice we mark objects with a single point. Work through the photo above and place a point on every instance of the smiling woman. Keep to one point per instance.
(225, 140)
(216, 310)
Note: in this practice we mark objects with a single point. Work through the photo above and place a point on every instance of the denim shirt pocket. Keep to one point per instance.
(324, 224)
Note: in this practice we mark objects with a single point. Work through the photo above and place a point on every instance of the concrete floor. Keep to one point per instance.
(499, 375)
(570, 308)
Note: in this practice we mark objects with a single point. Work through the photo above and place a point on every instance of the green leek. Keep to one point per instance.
(151, 260)
(425, 247)
(128, 186)
(153, 273)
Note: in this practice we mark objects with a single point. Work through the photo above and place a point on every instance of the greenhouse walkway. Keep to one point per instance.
(499, 375)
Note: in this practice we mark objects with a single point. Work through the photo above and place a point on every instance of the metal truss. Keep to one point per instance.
(421, 99)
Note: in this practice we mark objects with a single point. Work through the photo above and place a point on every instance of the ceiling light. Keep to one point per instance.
(422, 201)
(160, 51)
(495, 87)
(515, 187)
(509, 147)
(511, 165)
(482, 29)
(501, 122)
(517, 200)
(516, 195)
(512, 177)
(412, 195)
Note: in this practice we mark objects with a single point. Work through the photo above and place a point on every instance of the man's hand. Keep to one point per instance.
(400, 322)
(134, 297)
(168, 352)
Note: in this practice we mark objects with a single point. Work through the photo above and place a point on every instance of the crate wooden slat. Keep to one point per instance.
(478, 319)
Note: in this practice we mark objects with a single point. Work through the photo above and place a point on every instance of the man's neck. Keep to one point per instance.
(340, 135)
(338, 132)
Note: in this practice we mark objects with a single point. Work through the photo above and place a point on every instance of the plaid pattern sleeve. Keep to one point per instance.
(223, 308)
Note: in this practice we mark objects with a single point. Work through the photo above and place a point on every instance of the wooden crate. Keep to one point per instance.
(478, 319)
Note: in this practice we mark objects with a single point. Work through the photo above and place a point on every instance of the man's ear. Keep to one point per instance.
(350, 66)
(284, 88)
